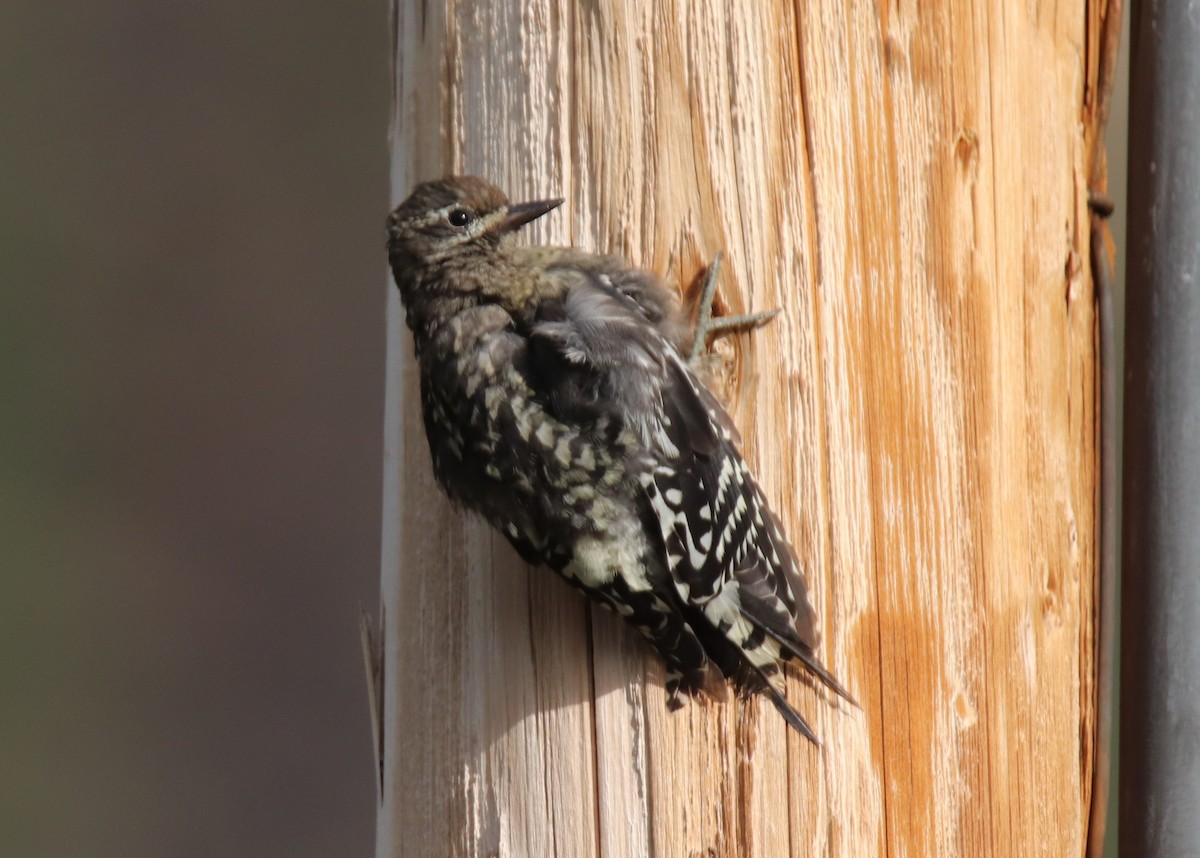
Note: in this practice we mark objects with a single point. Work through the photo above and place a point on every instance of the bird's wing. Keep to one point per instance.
(600, 357)
(728, 559)
(655, 303)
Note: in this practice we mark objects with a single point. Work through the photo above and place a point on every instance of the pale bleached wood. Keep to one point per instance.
(906, 182)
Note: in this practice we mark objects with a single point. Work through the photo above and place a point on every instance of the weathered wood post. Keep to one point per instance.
(908, 182)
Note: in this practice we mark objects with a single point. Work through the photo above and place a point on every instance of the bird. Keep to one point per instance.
(558, 405)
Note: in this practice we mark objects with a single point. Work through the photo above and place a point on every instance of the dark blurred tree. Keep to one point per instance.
(191, 357)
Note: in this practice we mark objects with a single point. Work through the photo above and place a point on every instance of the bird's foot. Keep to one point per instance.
(707, 326)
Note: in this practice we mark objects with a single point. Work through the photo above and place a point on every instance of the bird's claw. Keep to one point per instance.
(707, 326)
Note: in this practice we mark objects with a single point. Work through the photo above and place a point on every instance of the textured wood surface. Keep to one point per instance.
(908, 183)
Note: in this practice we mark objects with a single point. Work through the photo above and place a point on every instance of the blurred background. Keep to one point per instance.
(192, 286)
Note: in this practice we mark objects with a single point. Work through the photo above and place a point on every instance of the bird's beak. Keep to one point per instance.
(522, 213)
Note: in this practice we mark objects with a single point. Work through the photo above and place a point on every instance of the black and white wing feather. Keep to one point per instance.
(732, 574)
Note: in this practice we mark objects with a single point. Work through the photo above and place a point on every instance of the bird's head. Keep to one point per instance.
(455, 218)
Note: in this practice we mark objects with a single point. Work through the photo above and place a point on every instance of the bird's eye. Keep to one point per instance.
(460, 217)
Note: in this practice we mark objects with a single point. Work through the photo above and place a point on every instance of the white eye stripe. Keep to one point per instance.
(437, 215)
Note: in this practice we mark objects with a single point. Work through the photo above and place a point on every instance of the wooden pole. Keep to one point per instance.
(909, 184)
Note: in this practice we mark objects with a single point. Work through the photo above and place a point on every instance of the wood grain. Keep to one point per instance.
(907, 181)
